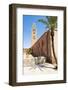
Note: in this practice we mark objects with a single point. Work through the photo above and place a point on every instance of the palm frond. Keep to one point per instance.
(49, 21)
(44, 22)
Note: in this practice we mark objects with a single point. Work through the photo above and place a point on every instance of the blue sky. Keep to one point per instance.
(28, 20)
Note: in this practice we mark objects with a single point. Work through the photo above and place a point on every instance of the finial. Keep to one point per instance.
(34, 25)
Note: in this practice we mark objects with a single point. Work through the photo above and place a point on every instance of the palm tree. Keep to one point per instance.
(51, 23)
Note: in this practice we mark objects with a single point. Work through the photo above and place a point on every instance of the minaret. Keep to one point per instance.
(34, 33)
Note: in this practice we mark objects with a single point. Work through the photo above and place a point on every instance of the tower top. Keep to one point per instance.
(34, 33)
(34, 26)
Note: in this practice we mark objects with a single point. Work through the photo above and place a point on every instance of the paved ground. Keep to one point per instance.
(36, 69)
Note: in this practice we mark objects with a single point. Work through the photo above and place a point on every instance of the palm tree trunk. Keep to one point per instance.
(52, 36)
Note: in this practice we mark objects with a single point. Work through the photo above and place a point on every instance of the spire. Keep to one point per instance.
(34, 26)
